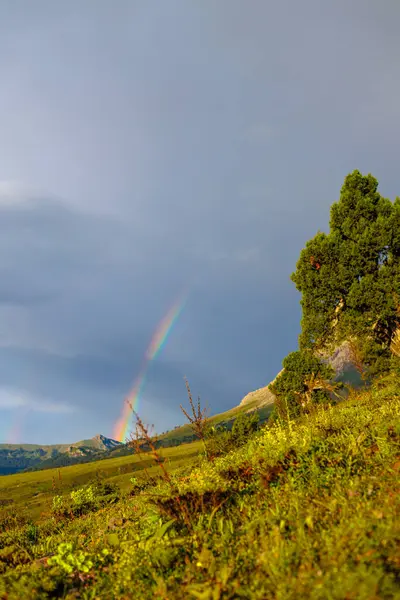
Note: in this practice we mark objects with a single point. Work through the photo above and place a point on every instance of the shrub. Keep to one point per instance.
(218, 441)
(81, 500)
(303, 381)
(57, 505)
(12, 520)
(83, 497)
(69, 560)
(32, 532)
(138, 485)
(243, 427)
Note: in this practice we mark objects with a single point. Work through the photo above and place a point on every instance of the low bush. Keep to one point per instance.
(220, 440)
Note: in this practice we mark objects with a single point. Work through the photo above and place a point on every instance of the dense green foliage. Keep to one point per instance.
(243, 427)
(350, 278)
(221, 439)
(290, 387)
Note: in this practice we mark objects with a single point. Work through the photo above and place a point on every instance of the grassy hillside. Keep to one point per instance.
(33, 491)
(308, 509)
(185, 433)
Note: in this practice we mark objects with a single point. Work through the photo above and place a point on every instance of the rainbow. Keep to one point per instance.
(131, 402)
(16, 428)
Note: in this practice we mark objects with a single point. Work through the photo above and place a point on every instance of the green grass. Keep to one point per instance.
(305, 510)
(32, 492)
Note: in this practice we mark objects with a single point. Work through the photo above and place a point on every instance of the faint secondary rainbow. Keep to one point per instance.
(131, 402)
(14, 434)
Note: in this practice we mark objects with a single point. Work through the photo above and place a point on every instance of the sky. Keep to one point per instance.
(147, 148)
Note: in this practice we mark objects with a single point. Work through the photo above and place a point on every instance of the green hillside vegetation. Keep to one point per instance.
(304, 509)
(225, 419)
(33, 492)
(302, 504)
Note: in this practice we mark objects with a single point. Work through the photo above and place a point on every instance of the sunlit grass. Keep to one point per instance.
(305, 509)
(32, 491)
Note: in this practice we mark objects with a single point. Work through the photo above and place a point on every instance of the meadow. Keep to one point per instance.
(307, 508)
(33, 492)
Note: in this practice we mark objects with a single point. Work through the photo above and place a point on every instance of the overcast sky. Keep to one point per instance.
(146, 147)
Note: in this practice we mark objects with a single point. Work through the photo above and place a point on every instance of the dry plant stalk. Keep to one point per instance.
(356, 358)
(136, 442)
(336, 312)
(395, 345)
(142, 434)
(395, 341)
(199, 421)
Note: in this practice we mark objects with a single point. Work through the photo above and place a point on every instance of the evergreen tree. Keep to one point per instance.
(350, 278)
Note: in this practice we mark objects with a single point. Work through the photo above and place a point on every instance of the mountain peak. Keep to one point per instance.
(104, 443)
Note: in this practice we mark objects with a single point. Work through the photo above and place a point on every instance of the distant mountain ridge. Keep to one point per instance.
(99, 442)
(20, 457)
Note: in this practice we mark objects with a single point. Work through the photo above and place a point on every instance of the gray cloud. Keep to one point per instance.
(146, 150)
(15, 399)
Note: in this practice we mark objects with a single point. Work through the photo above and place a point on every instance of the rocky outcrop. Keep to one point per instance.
(101, 442)
(262, 397)
(340, 359)
(342, 362)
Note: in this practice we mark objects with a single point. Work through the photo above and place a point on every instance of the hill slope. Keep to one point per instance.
(306, 511)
